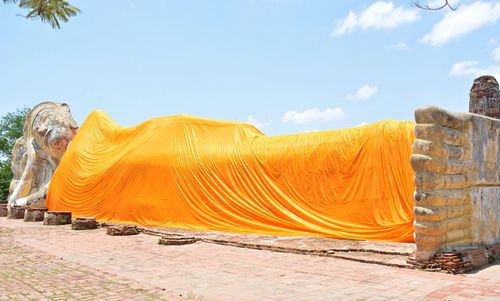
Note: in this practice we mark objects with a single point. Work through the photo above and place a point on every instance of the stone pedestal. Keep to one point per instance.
(57, 218)
(122, 230)
(176, 240)
(3, 210)
(15, 212)
(485, 97)
(84, 223)
(34, 215)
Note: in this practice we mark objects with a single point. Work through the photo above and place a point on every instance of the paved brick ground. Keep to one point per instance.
(136, 266)
(385, 253)
(28, 274)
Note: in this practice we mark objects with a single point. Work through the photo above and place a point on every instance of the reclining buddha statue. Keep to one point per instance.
(189, 172)
(359, 183)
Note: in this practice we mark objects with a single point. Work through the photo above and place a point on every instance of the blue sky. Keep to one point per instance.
(286, 65)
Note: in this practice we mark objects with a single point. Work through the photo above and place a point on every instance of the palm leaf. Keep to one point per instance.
(48, 11)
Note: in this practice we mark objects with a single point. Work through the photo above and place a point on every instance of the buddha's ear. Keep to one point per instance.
(65, 106)
(42, 131)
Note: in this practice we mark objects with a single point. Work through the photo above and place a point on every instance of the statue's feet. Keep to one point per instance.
(457, 178)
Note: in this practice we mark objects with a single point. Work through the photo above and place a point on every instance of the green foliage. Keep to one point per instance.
(5, 178)
(48, 11)
(11, 128)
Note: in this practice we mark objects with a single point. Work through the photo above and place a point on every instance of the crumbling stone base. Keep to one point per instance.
(52, 218)
(122, 230)
(176, 240)
(3, 210)
(485, 97)
(84, 223)
(458, 262)
(16, 212)
(34, 215)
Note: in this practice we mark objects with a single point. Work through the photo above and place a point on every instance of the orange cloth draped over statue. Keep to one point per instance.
(195, 173)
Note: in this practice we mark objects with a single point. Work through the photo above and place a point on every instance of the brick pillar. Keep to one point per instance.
(485, 97)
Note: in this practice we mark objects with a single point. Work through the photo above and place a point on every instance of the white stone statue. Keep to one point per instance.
(48, 130)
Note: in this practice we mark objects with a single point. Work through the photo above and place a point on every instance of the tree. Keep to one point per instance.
(444, 4)
(11, 128)
(48, 11)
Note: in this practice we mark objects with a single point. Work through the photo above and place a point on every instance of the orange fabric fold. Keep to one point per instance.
(194, 173)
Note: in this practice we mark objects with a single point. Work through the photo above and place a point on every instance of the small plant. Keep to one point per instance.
(491, 257)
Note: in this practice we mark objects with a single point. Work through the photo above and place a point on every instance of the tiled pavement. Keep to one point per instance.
(28, 274)
(54, 261)
(385, 253)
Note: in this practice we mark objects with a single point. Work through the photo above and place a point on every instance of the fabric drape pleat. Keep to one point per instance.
(194, 173)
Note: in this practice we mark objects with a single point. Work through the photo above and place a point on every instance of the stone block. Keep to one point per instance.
(176, 240)
(52, 218)
(122, 230)
(3, 210)
(84, 223)
(15, 212)
(34, 215)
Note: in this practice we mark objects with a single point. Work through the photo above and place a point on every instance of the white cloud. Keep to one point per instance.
(465, 19)
(258, 124)
(496, 54)
(313, 130)
(492, 41)
(470, 68)
(363, 93)
(380, 14)
(463, 68)
(363, 123)
(439, 3)
(313, 115)
(400, 46)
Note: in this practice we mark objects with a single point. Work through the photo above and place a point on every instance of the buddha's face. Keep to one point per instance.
(58, 140)
(57, 131)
